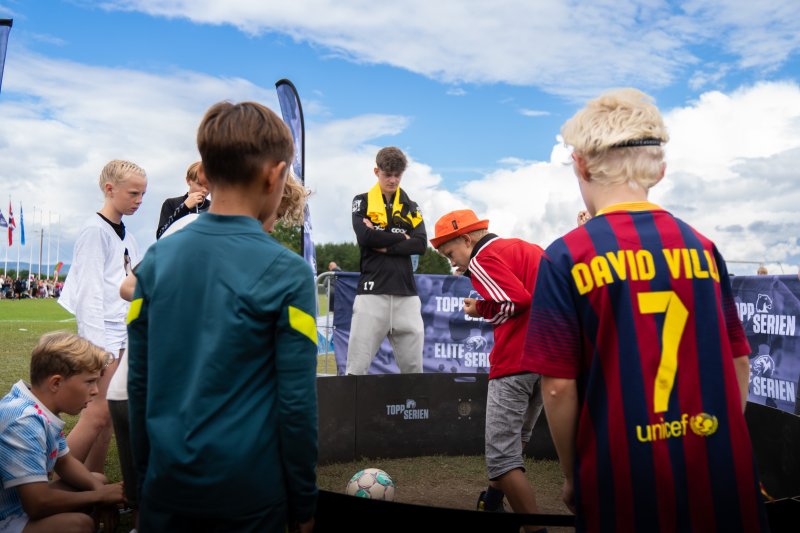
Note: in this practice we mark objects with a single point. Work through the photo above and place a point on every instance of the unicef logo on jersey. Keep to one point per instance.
(704, 424)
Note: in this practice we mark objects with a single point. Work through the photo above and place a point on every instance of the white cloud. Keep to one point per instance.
(62, 121)
(533, 112)
(574, 48)
(732, 160)
(456, 91)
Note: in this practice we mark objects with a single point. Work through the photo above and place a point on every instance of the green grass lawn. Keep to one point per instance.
(22, 322)
(443, 481)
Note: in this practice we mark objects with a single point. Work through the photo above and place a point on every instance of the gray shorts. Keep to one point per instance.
(513, 404)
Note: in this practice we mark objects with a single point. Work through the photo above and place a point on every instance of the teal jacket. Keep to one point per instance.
(222, 370)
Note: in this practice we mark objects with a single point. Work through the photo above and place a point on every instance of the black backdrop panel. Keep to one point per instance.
(336, 401)
(776, 443)
(408, 415)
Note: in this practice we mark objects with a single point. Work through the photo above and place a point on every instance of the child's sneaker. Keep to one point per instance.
(482, 504)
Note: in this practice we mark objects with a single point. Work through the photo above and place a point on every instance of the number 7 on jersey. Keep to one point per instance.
(674, 324)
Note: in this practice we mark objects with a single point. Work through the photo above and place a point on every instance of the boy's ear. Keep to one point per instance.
(274, 175)
(107, 187)
(376, 170)
(580, 167)
(663, 171)
(53, 383)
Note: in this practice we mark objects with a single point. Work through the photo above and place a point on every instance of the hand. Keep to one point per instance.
(112, 493)
(471, 307)
(368, 223)
(194, 199)
(568, 495)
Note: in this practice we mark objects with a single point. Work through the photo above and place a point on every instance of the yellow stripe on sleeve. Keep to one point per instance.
(135, 309)
(303, 323)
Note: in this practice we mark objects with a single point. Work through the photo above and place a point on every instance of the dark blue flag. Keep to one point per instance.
(5, 28)
(292, 114)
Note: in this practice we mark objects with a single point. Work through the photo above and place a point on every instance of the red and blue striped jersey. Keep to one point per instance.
(636, 306)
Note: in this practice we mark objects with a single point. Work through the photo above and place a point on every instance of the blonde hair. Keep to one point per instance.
(293, 201)
(597, 132)
(478, 234)
(191, 172)
(65, 354)
(117, 171)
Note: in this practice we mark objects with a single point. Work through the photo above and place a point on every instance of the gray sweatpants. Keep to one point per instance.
(376, 316)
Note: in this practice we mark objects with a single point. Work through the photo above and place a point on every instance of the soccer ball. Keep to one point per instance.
(371, 483)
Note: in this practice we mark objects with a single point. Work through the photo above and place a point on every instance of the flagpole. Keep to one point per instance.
(41, 242)
(10, 218)
(30, 259)
(58, 239)
(49, 234)
(19, 248)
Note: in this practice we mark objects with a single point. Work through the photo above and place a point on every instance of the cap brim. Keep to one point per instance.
(440, 240)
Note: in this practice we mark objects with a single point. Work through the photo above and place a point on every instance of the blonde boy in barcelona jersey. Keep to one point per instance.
(634, 329)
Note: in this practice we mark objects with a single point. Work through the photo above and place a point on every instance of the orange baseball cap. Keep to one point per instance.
(456, 223)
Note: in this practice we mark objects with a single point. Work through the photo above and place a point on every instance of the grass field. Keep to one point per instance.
(438, 480)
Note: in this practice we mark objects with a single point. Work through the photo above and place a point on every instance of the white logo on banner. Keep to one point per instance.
(763, 381)
(407, 410)
(762, 320)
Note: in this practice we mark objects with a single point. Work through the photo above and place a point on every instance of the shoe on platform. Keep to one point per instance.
(482, 504)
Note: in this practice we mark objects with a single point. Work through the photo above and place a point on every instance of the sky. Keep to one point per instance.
(474, 92)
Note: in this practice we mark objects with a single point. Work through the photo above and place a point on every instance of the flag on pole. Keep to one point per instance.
(21, 226)
(292, 113)
(3, 223)
(11, 224)
(5, 29)
(58, 269)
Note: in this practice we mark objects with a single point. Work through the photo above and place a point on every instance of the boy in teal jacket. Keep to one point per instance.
(221, 385)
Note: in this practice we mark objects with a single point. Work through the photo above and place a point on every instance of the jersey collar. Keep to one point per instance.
(630, 206)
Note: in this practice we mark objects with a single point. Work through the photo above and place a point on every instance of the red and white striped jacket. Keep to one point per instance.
(503, 271)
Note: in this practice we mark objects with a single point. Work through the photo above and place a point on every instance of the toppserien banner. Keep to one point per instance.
(454, 342)
(768, 307)
(292, 113)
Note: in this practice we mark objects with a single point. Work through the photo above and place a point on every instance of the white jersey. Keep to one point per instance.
(91, 290)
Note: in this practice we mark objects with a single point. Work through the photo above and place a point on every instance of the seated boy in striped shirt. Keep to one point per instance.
(65, 370)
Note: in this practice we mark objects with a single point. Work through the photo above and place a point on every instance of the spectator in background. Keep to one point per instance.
(762, 271)
(195, 201)
(332, 267)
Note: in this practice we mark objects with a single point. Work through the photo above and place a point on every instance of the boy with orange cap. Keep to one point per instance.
(503, 272)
